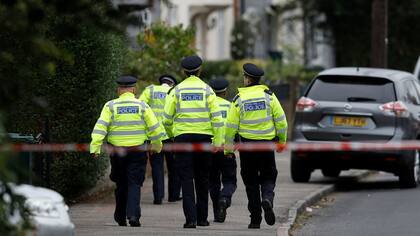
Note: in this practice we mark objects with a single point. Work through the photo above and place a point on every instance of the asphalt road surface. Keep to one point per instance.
(373, 206)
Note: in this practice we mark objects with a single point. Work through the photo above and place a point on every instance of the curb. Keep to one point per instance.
(300, 205)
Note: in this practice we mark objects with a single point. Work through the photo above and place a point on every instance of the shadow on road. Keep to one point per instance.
(347, 184)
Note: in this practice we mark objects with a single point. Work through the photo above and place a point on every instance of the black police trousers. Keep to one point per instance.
(174, 182)
(158, 177)
(259, 173)
(222, 173)
(128, 174)
(193, 169)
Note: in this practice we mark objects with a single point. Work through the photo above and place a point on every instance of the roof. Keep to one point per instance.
(366, 72)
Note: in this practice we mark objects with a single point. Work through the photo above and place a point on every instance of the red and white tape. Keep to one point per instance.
(203, 147)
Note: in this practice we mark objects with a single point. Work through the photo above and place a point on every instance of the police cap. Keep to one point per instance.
(191, 63)
(169, 78)
(252, 70)
(219, 84)
(127, 81)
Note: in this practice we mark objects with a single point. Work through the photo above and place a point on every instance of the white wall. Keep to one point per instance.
(214, 17)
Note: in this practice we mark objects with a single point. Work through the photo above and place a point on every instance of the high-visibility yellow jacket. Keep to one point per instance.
(255, 114)
(224, 106)
(127, 122)
(191, 108)
(155, 96)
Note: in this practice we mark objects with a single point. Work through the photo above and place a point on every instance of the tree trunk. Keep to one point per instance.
(379, 33)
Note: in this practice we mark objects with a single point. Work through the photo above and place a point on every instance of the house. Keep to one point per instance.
(302, 34)
(146, 11)
(285, 30)
(212, 19)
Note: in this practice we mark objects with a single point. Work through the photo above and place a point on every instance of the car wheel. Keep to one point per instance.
(331, 172)
(410, 170)
(299, 169)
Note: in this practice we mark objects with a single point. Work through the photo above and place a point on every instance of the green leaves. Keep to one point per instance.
(242, 40)
(28, 39)
(58, 63)
(162, 48)
(350, 22)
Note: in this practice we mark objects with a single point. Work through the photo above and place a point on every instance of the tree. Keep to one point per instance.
(242, 40)
(350, 21)
(28, 50)
(161, 50)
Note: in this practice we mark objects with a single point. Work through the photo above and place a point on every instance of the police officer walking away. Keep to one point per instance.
(223, 169)
(193, 115)
(256, 114)
(154, 96)
(127, 122)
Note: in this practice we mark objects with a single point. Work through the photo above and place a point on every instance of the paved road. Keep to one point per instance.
(95, 218)
(374, 206)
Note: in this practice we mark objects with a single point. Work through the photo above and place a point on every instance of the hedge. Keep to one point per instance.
(71, 101)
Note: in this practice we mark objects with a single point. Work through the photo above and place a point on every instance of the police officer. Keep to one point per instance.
(127, 122)
(223, 169)
(154, 96)
(193, 115)
(256, 114)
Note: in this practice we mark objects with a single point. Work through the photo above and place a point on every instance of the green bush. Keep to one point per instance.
(213, 69)
(42, 73)
(72, 100)
(242, 40)
(162, 48)
(86, 85)
(230, 70)
(275, 72)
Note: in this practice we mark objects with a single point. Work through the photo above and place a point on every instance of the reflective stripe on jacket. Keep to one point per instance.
(126, 122)
(256, 114)
(191, 107)
(154, 96)
(224, 107)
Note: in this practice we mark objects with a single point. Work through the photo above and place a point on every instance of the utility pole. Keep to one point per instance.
(379, 43)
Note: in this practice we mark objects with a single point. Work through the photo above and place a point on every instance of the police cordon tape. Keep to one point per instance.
(205, 147)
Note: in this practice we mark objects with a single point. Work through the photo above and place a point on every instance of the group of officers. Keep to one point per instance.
(192, 111)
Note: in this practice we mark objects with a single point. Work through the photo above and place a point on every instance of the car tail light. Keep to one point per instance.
(305, 104)
(397, 108)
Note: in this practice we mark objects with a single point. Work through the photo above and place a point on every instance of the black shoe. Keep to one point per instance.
(255, 222)
(221, 214)
(134, 222)
(157, 202)
(269, 216)
(174, 199)
(189, 225)
(203, 223)
(122, 223)
(253, 226)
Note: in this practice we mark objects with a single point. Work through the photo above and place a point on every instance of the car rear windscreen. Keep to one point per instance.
(352, 89)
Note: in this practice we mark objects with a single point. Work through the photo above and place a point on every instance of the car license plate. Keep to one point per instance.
(349, 121)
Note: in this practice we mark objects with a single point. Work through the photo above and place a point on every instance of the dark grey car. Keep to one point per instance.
(360, 105)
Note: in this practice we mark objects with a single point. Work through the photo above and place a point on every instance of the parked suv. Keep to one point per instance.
(358, 105)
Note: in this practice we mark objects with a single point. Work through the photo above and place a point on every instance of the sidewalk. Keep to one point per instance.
(96, 218)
